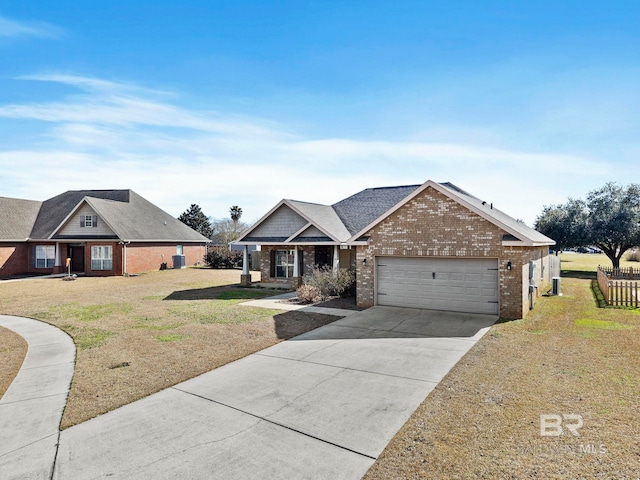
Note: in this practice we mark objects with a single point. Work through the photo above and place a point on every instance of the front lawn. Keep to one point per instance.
(568, 357)
(135, 336)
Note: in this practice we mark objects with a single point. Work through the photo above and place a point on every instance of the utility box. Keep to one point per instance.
(179, 261)
(555, 287)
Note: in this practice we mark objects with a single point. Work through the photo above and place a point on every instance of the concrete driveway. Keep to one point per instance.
(321, 405)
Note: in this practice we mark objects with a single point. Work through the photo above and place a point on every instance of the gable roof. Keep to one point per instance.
(18, 217)
(128, 215)
(518, 232)
(361, 212)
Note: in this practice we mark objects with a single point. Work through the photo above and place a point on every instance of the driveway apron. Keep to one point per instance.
(321, 405)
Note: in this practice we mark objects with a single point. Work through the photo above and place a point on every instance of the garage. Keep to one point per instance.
(452, 284)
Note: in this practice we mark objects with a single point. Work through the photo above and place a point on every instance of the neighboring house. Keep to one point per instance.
(431, 246)
(102, 232)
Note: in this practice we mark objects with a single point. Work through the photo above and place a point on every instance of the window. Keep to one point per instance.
(101, 257)
(178, 249)
(284, 263)
(88, 221)
(45, 256)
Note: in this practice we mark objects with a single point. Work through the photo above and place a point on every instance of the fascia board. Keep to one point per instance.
(103, 217)
(68, 217)
(299, 232)
(311, 222)
(258, 223)
(393, 209)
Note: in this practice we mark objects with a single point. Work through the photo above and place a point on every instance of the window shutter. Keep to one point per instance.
(95, 221)
(33, 256)
(82, 221)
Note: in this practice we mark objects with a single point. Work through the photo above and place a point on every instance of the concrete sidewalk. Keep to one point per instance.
(276, 302)
(321, 405)
(31, 409)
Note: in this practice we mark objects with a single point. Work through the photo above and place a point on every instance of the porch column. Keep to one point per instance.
(336, 260)
(296, 263)
(58, 256)
(245, 278)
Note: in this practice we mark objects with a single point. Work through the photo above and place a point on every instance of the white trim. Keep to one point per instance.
(447, 193)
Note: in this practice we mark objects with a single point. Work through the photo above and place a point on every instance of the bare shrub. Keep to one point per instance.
(633, 255)
(309, 294)
(328, 283)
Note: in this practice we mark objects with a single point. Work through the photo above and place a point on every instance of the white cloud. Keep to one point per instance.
(14, 29)
(120, 136)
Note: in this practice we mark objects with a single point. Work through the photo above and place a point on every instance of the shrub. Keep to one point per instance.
(222, 257)
(633, 255)
(309, 294)
(328, 284)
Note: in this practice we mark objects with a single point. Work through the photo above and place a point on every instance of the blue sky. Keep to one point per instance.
(243, 103)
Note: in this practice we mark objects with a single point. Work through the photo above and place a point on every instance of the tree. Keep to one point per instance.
(196, 219)
(566, 224)
(225, 230)
(235, 212)
(608, 219)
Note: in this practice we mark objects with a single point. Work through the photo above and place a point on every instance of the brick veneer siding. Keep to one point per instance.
(14, 259)
(308, 254)
(434, 225)
(147, 257)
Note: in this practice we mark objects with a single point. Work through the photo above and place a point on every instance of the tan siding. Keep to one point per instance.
(284, 222)
(73, 228)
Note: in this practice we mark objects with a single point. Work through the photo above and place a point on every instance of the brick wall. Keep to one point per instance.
(14, 259)
(147, 257)
(434, 225)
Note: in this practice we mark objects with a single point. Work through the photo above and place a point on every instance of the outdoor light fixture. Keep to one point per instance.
(508, 265)
(364, 261)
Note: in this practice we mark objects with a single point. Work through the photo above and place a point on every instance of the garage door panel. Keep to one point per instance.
(464, 285)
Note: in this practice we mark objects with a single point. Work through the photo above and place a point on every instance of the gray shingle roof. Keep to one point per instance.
(361, 209)
(56, 209)
(17, 217)
(518, 229)
(354, 214)
(140, 220)
(130, 217)
(325, 218)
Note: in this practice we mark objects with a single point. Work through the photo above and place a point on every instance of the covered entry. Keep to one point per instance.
(453, 284)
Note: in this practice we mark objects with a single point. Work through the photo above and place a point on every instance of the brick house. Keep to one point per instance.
(431, 246)
(102, 232)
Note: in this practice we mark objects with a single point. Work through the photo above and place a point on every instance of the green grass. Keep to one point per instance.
(600, 324)
(587, 262)
(86, 338)
(85, 313)
(171, 338)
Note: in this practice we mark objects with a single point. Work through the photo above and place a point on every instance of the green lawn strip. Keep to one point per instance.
(171, 338)
(85, 313)
(87, 337)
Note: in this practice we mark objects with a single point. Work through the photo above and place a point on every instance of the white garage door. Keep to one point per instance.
(454, 284)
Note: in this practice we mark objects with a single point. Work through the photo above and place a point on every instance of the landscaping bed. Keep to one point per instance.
(135, 336)
(568, 357)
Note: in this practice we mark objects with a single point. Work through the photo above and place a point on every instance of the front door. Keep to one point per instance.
(324, 256)
(77, 259)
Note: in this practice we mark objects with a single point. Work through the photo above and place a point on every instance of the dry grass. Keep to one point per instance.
(13, 349)
(588, 262)
(138, 335)
(483, 421)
